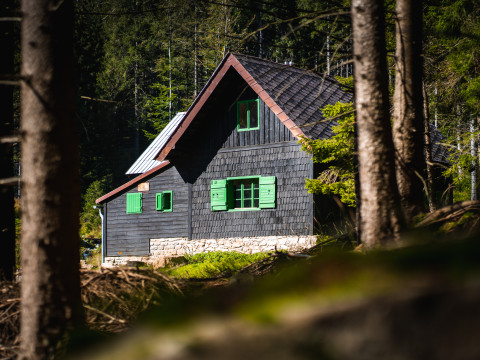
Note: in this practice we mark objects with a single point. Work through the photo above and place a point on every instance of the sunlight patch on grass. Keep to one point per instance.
(211, 264)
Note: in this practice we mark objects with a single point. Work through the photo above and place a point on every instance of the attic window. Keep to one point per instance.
(248, 115)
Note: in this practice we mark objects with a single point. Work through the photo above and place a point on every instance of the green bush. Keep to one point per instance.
(210, 264)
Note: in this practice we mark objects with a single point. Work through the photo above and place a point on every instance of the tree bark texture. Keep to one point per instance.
(381, 218)
(50, 287)
(7, 220)
(408, 125)
(432, 201)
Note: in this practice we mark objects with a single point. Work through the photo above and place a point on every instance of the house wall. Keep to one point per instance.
(271, 129)
(210, 149)
(293, 214)
(130, 234)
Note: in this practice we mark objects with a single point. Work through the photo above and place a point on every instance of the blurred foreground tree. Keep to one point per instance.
(50, 288)
(7, 220)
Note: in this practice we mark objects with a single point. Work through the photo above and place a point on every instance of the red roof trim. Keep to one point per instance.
(132, 182)
(229, 60)
(262, 94)
(198, 103)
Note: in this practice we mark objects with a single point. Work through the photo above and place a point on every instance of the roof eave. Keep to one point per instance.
(132, 182)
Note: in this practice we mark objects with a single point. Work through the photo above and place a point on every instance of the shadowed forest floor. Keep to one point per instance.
(416, 302)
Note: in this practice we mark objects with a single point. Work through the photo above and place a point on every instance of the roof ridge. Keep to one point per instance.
(291, 67)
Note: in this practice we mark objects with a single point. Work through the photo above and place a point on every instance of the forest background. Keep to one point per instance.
(138, 63)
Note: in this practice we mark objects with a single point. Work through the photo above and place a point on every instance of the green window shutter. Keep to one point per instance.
(218, 195)
(267, 192)
(134, 203)
(158, 201)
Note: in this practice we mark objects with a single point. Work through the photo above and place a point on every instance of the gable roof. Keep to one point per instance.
(299, 93)
(296, 96)
(146, 161)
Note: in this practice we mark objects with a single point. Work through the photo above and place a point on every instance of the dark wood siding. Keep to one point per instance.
(215, 125)
(130, 234)
(271, 128)
(293, 212)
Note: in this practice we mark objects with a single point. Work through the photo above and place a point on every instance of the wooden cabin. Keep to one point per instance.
(228, 174)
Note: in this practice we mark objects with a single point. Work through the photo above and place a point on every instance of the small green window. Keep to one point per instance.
(248, 115)
(164, 201)
(134, 203)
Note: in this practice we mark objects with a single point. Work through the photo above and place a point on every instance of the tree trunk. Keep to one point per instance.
(381, 218)
(473, 154)
(477, 160)
(50, 288)
(432, 203)
(7, 220)
(408, 124)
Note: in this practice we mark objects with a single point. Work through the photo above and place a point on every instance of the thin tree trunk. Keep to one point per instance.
(135, 93)
(436, 112)
(136, 110)
(7, 220)
(478, 155)
(380, 217)
(408, 124)
(195, 56)
(432, 205)
(170, 105)
(260, 33)
(50, 287)
(459, 138)
(473, 154)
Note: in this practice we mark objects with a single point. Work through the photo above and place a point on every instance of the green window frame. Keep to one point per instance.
(134, 203)
(243, 193)
(248, 115)
(164, 201)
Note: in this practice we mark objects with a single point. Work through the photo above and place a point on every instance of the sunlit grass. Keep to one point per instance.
(211, 264)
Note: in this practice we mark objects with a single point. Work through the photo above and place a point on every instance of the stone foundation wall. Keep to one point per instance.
(163, 249)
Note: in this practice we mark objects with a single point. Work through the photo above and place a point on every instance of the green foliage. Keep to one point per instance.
(90, 221)
(94, 257)
(210, 264)
(157, 106)
(336, 154)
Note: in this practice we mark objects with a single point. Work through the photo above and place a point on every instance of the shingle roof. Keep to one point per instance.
(301, 94)
(147, 161)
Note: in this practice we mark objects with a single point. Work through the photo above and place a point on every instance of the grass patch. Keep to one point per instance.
(215, 263)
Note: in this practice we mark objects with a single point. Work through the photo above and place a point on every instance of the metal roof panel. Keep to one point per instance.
(146, 161)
